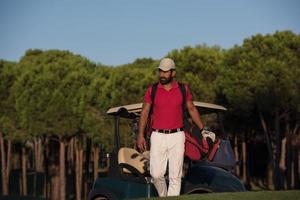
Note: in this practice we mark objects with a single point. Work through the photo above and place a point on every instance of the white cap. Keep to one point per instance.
(166, 64)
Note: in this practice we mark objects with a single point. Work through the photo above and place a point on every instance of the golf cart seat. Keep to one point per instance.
(146, 154)
(133, 164)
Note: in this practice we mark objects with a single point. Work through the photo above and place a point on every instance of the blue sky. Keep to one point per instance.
(115, 32)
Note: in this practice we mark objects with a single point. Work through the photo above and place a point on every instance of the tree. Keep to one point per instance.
(260, 82)
(53, 97)
(199, 67)
(8, 124)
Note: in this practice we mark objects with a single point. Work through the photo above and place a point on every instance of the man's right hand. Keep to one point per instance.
(141, 143)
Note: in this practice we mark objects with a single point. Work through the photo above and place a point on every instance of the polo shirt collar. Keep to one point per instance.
(174, 84)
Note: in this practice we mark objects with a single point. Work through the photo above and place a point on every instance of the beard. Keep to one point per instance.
(164, 80)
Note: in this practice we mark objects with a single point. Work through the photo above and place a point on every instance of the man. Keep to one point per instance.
(167, 138)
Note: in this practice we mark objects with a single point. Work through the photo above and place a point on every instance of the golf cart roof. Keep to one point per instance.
(135, 109)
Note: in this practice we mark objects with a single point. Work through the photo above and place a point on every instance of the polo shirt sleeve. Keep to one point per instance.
(147, 97)
(189, 96)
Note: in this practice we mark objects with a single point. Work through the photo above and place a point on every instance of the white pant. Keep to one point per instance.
(164, 148)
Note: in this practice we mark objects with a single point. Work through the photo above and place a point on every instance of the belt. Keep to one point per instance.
(167, 131)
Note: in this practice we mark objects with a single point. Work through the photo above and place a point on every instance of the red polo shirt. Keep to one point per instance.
(167, 107)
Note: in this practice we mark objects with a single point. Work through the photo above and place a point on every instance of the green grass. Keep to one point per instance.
(261, 195)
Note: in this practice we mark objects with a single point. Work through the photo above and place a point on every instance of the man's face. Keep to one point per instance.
(166, 77)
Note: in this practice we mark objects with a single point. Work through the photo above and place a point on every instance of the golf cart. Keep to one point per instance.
(128, 176)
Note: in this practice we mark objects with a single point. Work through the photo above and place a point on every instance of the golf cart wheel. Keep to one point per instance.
(104, 194)
(199, 191)
(101, 198)
(105, 197)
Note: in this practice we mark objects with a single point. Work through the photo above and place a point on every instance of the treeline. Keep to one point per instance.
(53, 105)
